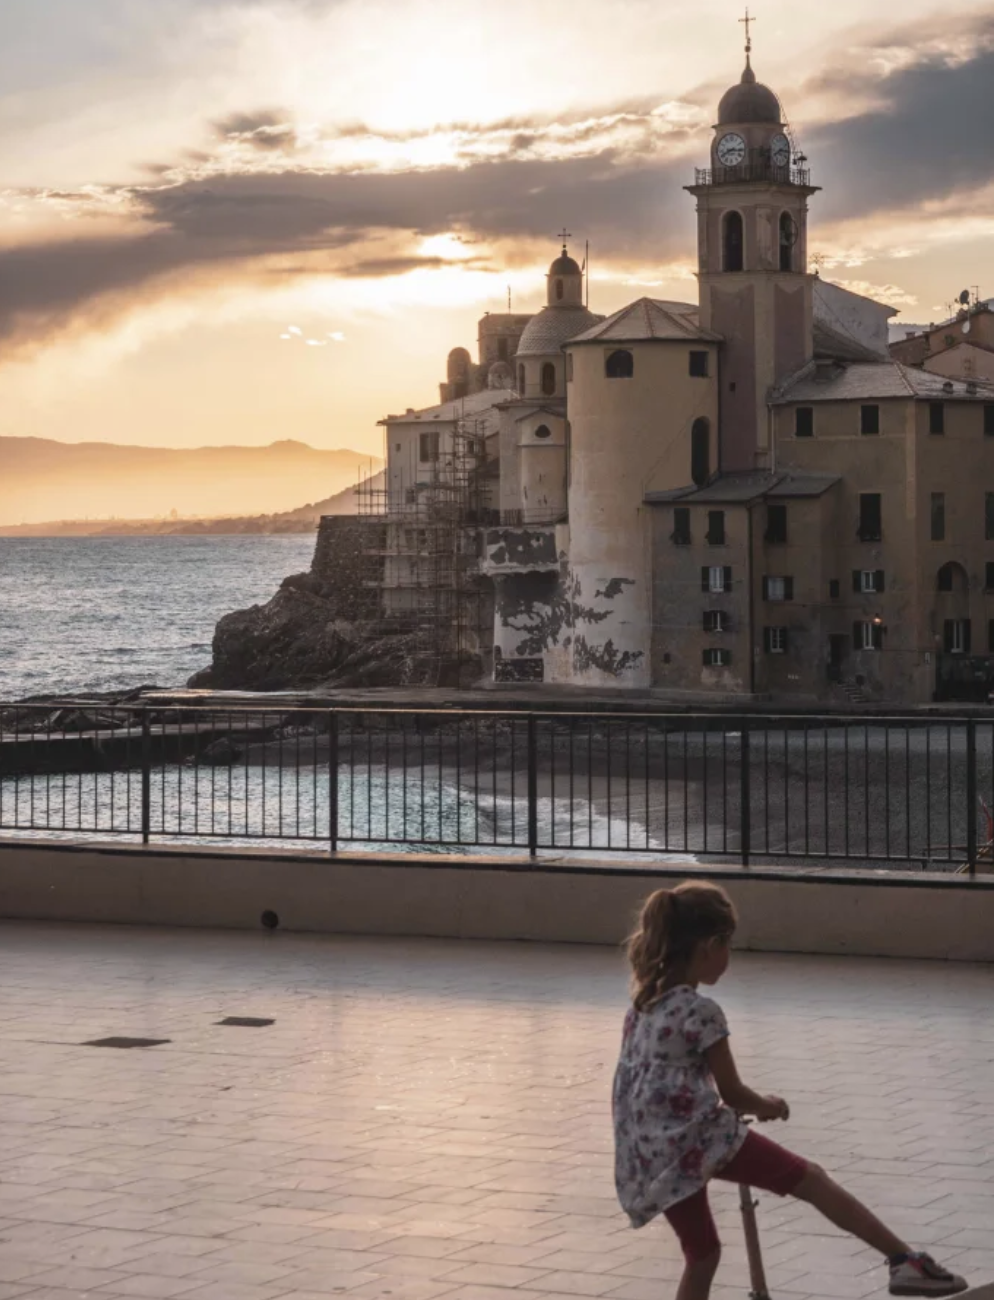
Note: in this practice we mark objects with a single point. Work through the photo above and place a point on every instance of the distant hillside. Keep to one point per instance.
(303, 519)
(41, 479)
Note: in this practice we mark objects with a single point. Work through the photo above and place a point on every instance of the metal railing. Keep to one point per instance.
(761, 171)
(748, 788)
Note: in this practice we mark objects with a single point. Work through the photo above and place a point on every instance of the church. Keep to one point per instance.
(745, 496)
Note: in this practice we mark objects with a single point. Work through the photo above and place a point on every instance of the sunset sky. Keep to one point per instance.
(182, 180)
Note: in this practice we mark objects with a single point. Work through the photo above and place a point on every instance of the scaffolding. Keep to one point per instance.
(421, 565)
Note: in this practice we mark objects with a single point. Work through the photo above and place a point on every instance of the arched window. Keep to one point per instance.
(521, 380)
(788, 238)
(700, 452)
(548, 378)
(559, 290)
(620, 365)
(732, 241)
(543, 431)
(952, 577)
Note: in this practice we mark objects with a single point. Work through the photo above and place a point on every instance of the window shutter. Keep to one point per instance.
(878, 636)
(726, 657)
(707, 620)
(989, 578)
(705, 583)
(879, 580)
(857, 636)
(785, 636)
(966, 636)
(947, 635)
(728, 577)
(704, 657)
(990, 635)
(788, 588)
(857, 580)
(767, 639)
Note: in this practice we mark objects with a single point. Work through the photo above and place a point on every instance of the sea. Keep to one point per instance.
(110, 613)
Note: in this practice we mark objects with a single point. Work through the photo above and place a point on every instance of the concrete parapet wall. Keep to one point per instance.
(869, 914)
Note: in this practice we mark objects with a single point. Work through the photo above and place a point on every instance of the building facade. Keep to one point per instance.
(749, 495)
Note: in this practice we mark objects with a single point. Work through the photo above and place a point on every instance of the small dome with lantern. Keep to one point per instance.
(565, 314)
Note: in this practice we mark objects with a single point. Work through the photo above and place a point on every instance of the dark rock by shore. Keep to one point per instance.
(300, 639)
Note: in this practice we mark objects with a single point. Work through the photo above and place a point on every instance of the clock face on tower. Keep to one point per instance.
(731, 150)
(780, 151)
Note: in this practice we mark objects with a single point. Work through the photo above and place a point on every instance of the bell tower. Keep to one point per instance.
(755, 290)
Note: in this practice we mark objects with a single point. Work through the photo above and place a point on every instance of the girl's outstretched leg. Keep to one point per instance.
(842, 1208)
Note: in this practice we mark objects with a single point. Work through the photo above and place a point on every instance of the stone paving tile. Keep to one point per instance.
(430, 1120)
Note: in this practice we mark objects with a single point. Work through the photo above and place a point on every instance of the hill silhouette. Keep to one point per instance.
(45, 480)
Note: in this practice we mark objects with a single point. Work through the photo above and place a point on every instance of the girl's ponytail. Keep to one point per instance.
(670, 925)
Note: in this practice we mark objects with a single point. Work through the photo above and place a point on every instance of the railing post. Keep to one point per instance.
(745, 795)
(146, 777)
(333, 782)
(971, 795)
(532, 787)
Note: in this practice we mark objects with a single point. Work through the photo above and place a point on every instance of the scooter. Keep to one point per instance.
(750, 1228)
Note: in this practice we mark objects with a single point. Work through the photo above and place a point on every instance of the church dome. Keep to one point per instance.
(550, 328)
(749, 101)
(564, 265)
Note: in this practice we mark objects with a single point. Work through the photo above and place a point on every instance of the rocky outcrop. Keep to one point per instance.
(325, 628)
(299, 639)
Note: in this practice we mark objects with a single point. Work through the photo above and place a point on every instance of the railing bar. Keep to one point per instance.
(845, 784)
(949, 789)
(866, 788)
(786, 790)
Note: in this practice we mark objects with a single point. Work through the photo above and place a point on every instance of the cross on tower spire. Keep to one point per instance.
(747, 21)
(565, 234)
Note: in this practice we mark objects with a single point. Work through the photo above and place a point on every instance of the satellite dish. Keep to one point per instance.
(966, 327)
(964, 297)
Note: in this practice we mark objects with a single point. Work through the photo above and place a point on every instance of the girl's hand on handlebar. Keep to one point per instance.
(772, 1108)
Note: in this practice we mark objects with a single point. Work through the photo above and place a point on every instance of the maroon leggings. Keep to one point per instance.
(760, 1163)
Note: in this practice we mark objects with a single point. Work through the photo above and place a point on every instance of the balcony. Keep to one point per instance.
(763, 173)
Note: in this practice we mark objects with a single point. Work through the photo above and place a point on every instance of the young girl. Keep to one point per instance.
(678, 1102)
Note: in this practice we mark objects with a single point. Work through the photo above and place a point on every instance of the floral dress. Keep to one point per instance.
(672, 1131)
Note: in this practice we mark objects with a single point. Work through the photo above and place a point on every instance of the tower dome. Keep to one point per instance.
(749, 101)
(564, 265)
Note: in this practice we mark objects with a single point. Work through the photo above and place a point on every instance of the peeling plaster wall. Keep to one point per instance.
(627, 435)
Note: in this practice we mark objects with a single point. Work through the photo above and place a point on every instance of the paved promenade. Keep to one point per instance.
(430, 1119)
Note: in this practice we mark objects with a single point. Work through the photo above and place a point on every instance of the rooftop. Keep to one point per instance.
(647, 319)
(553, 326)
(473, 406)
(750, 485)
(429, 1119)
(878, 381)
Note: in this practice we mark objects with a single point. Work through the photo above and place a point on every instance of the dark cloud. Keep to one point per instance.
(378, 267)
(929, 138)
(266, 129)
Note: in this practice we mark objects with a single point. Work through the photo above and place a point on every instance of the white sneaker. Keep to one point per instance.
(919, 1274)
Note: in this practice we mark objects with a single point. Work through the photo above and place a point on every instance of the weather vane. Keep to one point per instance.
(748, 20)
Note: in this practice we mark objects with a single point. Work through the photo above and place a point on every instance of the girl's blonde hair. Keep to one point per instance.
(670, 926)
